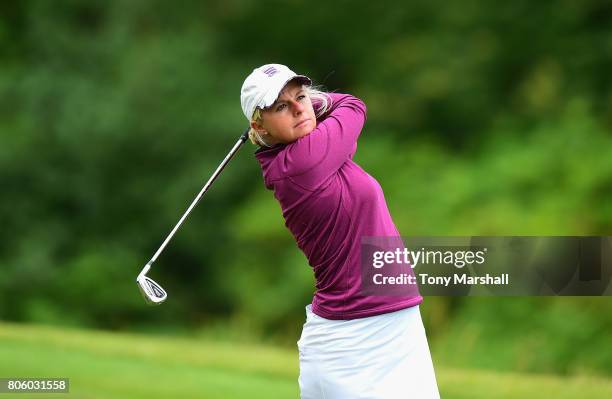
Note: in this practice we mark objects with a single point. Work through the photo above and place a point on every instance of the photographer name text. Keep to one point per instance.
(455, 279)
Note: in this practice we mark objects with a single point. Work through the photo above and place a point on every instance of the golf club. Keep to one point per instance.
(153, 293)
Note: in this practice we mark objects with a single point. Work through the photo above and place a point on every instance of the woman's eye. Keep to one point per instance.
(280, 107)
(301, 97)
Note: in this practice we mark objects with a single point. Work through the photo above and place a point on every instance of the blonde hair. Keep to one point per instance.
(321, 103)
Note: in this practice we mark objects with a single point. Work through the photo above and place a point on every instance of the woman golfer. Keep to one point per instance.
(353, 345)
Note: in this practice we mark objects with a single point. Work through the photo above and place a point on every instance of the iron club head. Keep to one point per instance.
(153, 293)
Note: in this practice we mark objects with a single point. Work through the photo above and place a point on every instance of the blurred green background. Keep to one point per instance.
(484, 118)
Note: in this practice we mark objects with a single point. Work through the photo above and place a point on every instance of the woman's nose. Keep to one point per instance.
(297, 107)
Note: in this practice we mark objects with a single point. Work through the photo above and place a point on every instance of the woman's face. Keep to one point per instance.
(289, 118)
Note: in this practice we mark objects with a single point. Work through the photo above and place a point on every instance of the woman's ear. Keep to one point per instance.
(258, 127)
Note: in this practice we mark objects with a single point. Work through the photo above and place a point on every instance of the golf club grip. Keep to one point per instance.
(245, 135)
(210, 181)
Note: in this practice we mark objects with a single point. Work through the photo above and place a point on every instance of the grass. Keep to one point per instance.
(119, 365)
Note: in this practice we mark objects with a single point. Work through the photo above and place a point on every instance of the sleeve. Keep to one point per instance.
(312, 159)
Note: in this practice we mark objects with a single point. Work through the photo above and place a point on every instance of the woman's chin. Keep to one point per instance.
(306, 130)
(302, 134)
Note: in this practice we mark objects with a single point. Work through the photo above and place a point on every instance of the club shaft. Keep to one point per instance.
(210, 181)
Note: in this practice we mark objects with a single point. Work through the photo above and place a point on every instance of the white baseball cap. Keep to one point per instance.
(262, 87)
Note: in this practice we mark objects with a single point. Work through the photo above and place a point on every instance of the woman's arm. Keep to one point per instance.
(311, 159)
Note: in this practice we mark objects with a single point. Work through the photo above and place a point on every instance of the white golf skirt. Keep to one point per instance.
(378, 357)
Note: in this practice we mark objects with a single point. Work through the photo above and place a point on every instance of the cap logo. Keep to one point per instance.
(271, 71)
